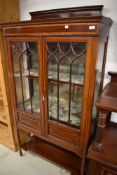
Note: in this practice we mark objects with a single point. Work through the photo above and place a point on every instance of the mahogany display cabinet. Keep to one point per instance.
(56, 64)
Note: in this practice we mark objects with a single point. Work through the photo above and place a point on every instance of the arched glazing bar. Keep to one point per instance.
(68, 76)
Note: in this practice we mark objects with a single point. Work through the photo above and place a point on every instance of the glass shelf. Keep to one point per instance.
(75, 79)
(27, 105)
(31, 72)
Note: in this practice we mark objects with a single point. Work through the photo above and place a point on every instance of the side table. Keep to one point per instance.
(102, 154)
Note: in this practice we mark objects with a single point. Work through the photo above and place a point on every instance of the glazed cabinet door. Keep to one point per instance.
(25, 83)
(66, 63)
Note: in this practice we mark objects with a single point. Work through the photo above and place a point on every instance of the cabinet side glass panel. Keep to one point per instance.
(25, 70)
(98, 77)
(66, 66)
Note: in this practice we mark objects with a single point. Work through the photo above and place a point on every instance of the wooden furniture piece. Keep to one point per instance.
(56, 66)
(103, 152)
(9, 12)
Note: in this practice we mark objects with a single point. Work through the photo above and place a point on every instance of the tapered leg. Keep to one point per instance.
(19, 144)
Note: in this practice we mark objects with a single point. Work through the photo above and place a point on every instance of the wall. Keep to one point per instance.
(110, 10)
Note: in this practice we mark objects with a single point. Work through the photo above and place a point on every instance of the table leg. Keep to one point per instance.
(98, 145)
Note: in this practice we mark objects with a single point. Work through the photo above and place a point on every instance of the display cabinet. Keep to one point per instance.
(56, 65)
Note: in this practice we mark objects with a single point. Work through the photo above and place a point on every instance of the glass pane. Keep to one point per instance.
(76, 105)
(78, 70)
(63, 102)
(98, 77)
(52, 101)
(52, 68)
(66, 64)
(64, 69)
(25, 66)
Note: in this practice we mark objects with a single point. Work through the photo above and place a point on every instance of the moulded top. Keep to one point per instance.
(63, 13)
(75, 14)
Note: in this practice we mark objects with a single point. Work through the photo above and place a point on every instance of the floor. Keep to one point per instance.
(12, 164)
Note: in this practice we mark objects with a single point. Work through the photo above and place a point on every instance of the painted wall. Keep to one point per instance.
(110, 10)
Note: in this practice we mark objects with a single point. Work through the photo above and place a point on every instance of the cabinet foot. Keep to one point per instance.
(20, 153)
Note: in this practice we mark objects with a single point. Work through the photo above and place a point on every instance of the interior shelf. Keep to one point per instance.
(65, 77)
(27, 105)
(75, 116)
(32, 72)
(52, 76)
(65, 82)
(63, 111)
